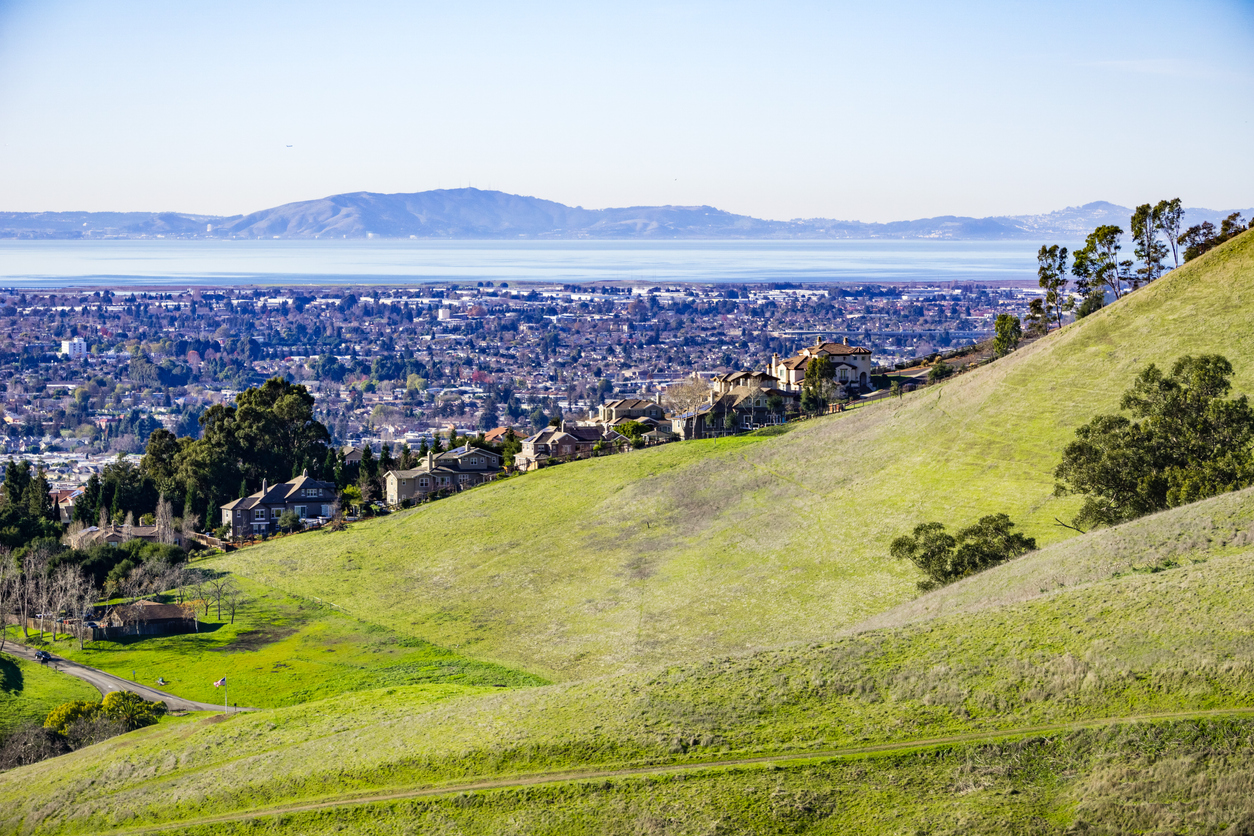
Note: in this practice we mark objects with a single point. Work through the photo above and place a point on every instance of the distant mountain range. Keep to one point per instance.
(478, 214)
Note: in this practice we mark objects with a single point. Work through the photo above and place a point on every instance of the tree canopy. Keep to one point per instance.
(1184, 442)
(945, 558)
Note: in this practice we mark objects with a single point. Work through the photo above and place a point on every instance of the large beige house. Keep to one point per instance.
(851, 363)
(461, 468)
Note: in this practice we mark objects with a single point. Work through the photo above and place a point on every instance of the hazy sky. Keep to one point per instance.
(869, 111)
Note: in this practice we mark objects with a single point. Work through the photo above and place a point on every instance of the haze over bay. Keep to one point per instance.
(38, 264)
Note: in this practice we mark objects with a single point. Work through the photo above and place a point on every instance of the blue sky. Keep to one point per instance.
(869, 111)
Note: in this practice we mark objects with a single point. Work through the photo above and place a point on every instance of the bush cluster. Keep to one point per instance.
(76, 724)
(945, 558)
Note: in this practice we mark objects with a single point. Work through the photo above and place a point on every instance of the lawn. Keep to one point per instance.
(28, 691)
(283, 650)
(690, 550)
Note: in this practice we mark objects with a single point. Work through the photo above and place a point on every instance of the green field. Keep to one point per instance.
(690, 550)
(706, 603)
(283, 650)
(28, 691)
(1134, 644)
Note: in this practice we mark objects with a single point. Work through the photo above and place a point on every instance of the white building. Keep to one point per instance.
(75, 349)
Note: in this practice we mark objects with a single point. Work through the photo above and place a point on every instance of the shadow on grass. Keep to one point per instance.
(11, 678)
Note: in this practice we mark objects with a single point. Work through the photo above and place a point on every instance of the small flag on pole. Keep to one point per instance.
(220, 682)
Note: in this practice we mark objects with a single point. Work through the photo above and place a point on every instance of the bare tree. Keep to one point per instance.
(76, 535)
(235, 599)
(8, 583)
(165, 522)
(190, 521)
(687, 397)
(103, 521)
(217, 589)
(83, 594)
(128, 527)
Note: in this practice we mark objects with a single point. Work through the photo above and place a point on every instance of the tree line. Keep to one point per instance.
(1098, 267)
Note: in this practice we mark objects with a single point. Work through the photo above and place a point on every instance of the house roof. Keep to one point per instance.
(497, 434)
(150, 611)
(629, 403)
(277, 494)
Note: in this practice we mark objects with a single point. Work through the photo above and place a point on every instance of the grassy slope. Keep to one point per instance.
(1180, 777)
(1134, 643)
(28, 691)
(695, 549)
(282, 651)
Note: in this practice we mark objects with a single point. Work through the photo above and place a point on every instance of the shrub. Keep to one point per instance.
(945, 558)
(67, 714)
(134, 711)
(940, 371)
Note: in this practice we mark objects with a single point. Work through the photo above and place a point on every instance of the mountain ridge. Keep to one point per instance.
(476, 214)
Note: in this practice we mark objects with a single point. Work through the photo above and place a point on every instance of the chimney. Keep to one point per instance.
(430, 459)
(845, 341)
(263, 486)
(304, 472)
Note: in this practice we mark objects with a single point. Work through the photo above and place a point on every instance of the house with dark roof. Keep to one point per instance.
(259, 513)
(735, 409)
(569, 441)
(850, 363)
(455, 470)
(629, 409)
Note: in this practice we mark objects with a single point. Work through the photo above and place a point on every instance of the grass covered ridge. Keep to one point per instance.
(1180, 639)
(695, 549)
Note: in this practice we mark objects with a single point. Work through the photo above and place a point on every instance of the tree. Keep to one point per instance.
(1097, 264)
(894, 390)
(684, 399)
(1051, 274)
(1187, 443)
(1168, 215)
(1198, 240)
(133, 710)
(235, 600)
(289, 521)
(944, 558)
(817, 388)
(165, 522)
(8, 591)
(1149, 250)
(1037, 319)
(939, 372)
(1006, 334)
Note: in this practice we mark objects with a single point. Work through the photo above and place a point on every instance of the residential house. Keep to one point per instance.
(632, 409)
(259, 513)
(147, 618)
(117, 534)
(455, 470)
(851, 364)
(569, 441)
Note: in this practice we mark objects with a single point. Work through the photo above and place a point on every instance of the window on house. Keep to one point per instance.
(275, 513)
(300, 511)
(259, 514)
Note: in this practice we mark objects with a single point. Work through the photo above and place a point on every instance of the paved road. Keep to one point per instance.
(106, 682)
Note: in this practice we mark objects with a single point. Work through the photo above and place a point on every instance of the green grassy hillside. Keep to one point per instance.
(696, 549)
(1134, 644)
(28, 691)
(283, 650)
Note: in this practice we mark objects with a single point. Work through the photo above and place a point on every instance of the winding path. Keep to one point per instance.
(106, 682)
(608, 772)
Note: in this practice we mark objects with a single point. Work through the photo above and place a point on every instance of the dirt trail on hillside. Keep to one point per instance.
(535, 779)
